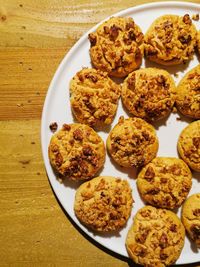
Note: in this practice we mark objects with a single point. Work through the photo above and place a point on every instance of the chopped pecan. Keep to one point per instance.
(185, 39)
(87, 151)
(131, 82)
(145, 213)
(153, 191)
(58, 159)
(149, 174)
(92, 39)
(196, 212)
(66, 127)
(173, 228)
(53, 127)
(142, 236)
(195, 17)
(78, 135)
(163, 180)
(195, 229)
(92, 77)
(163, 255)
(131, 35)
(94, 161)
(175, 169)
(163, 242)
(114, 31)
(186, 19)
(140, 251)
(130, 25)
(150, 51)
(196, 141)
(106, 29)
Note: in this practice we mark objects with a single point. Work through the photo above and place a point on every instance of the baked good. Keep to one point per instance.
(191, 217)
(132, 142)
(104, 203)
(188, 94)
(117, 46)
(149, 93)
(170, 40)
(94, 97)
(156, 237)
(76, 152)
(189, 145)
(165, 182)
(198, 42)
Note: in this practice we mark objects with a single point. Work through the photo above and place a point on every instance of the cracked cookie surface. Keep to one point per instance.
(132, 142)
(117, 46)
(188, 94)
(170, 40)
(189, 145)
(76, 152)
(149, 93)
(94, 97)
(191, 217)
(104, 203)
(165, 182)
(156, 237)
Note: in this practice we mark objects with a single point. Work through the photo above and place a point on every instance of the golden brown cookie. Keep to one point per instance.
(170, 40)
(191, 217)
(117, 46)
(94, 97)
(156, 237)
(76, 152)
(149, 93)
(189, 145)
(188, 94)
(104, 203)
(198, 42)
(165, 182)
(132, 142)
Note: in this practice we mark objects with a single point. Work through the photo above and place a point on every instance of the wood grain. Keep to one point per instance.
(34, 37)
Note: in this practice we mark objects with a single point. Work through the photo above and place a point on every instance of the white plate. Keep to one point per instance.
(57, 109)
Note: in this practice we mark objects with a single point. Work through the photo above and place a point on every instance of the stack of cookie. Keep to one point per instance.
(77, 152)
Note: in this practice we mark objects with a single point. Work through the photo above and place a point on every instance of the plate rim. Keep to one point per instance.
(51, 87)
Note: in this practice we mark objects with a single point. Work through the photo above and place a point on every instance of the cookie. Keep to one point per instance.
(170, 40)
(104, 203)
(189, 145)
(191, 217)
(132, 142)
(76, 152)
(117, 46)
(156, 237)
(198, 42)
(94, 97)
(149, 93)
(188, 94)
(165, 182)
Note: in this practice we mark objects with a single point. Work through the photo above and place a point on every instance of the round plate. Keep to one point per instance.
(57, 109)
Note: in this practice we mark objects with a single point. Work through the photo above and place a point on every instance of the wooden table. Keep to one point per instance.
(34, 37)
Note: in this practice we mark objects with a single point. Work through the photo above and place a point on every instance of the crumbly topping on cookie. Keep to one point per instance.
(132, 142)
(76, 151)
(117, 46)
(149, 93)
(94, 97)
(165, 182)
(104, 203)
(171, 40)
(156, 237)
